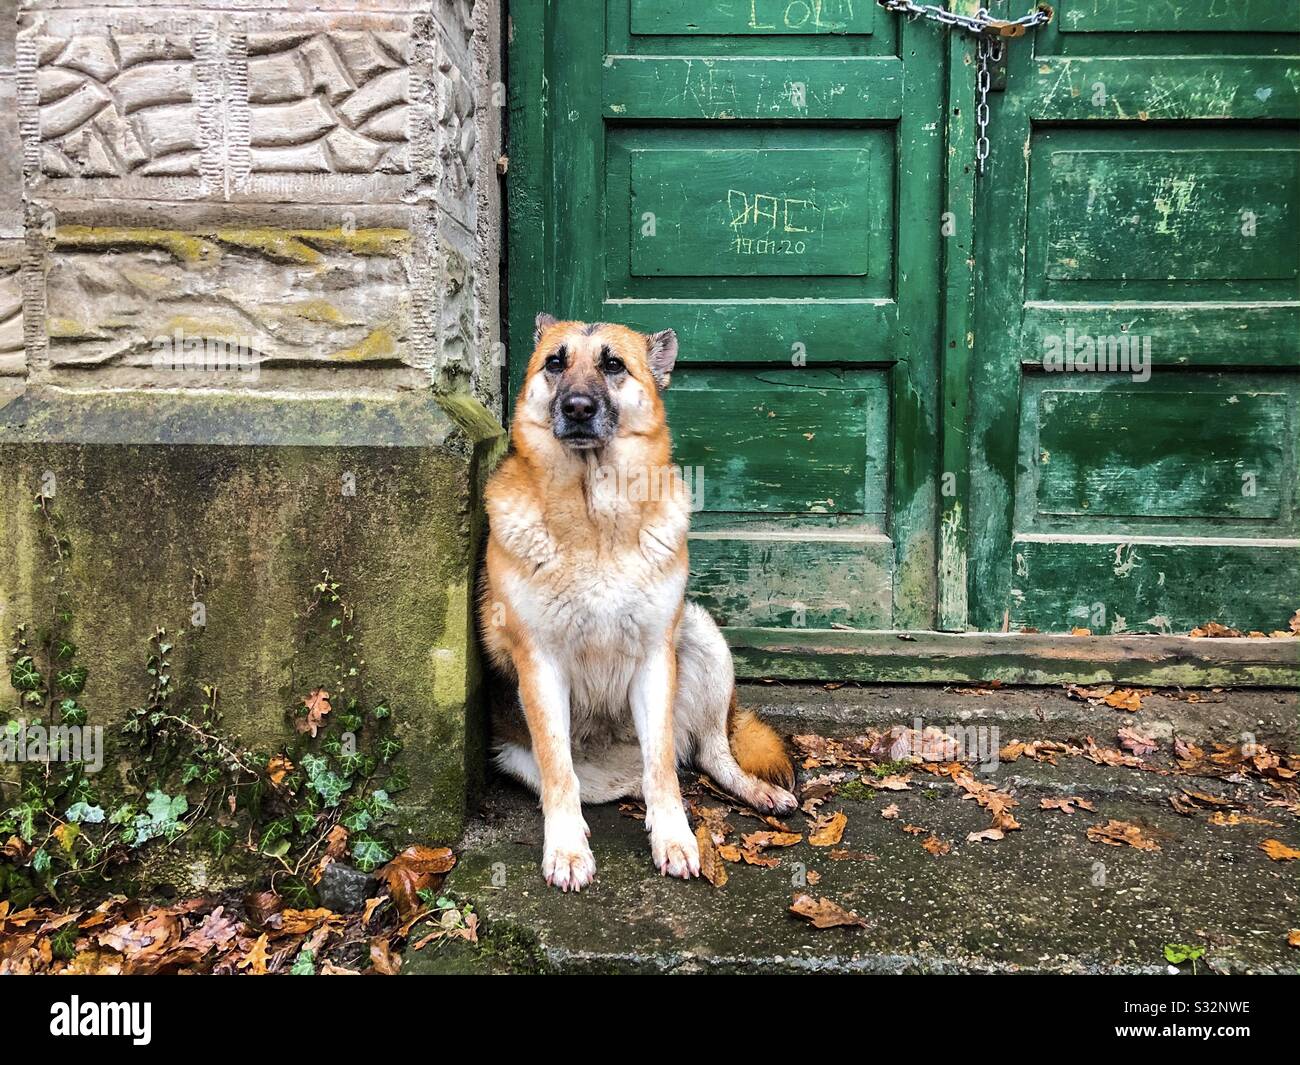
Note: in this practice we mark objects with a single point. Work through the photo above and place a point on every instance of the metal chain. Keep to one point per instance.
(992, 34)
(981, 22)
(990, 55)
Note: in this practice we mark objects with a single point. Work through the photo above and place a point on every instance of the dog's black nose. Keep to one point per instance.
(579, 407)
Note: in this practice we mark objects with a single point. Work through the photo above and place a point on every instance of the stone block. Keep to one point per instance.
(239, 503)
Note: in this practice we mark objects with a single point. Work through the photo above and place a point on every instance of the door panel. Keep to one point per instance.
(762, 178)
(1136, 394)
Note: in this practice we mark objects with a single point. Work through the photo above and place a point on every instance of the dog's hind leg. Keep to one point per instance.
(703, 714)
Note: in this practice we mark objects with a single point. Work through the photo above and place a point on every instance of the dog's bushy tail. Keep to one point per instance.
(757, 747)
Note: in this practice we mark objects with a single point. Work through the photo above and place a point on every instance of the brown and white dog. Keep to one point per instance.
(619, 679)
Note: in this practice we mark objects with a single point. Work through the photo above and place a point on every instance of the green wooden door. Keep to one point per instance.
(763, 177)
(1141, 210)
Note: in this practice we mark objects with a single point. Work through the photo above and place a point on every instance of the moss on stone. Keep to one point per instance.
(186, 247)
(377, 344)
(242, 502)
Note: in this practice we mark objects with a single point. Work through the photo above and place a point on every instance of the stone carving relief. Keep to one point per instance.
(329, 102)
(111, 105)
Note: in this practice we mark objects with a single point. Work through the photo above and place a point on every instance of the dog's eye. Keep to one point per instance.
(555, 362)
(611, 364)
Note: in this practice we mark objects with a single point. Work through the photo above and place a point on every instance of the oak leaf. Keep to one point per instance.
(828, 829)
(712, 867)
(1118, 833)
(318, 705)
(413, 871)
(823, 913)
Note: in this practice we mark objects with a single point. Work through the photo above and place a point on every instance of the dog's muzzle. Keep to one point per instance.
(582, 420)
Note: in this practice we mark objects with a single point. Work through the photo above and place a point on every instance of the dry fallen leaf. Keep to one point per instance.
(383, 959)
(1067, 805)
(828, 829)
(1118, 833)
(988, 833)
(823, 913)
(890, 812)
(936, 846)
(301, 922)
(256, 959)
(1279, 851)
(1137, 742)
(336, 843)
(1214, 630)
(1080, 632)
(278, 768)
(413, 871)
(1124, 699)
(1231, 817)
(762, 840)
(318, 705)
(1293, 937)
(712, 867)
(894, 782)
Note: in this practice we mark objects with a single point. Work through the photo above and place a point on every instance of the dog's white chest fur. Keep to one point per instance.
(598, 609)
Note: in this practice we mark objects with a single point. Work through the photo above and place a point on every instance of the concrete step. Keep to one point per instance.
(1043, 899)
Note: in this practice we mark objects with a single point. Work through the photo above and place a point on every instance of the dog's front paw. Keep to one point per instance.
(566, 859)
(672, 844)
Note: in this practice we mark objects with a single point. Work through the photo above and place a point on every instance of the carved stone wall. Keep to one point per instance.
(287, 196)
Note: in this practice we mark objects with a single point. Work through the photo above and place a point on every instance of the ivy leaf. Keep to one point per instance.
(24, 676)
(220, 840)
(304, 964)
(297, 894)
(41, 861)
(82, 813)
(380, 803)
(276, 831)
(389, 748)
(357, 819)
(63, 943)
(65, 650)
(323, 780)
(71, 713)
(1177, 953)
(370, 854)
(162, 807)
(72, 679)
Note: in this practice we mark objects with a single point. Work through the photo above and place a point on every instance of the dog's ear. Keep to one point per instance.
(662, 355)
(543, 322)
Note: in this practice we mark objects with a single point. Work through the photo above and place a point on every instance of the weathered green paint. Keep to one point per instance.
(1124, 451)
(1116, 224)
(783, 441)
(801, 212)
(765, 17)
(1132, 16)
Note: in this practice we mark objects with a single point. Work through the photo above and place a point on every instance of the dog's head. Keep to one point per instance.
(591, 382)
